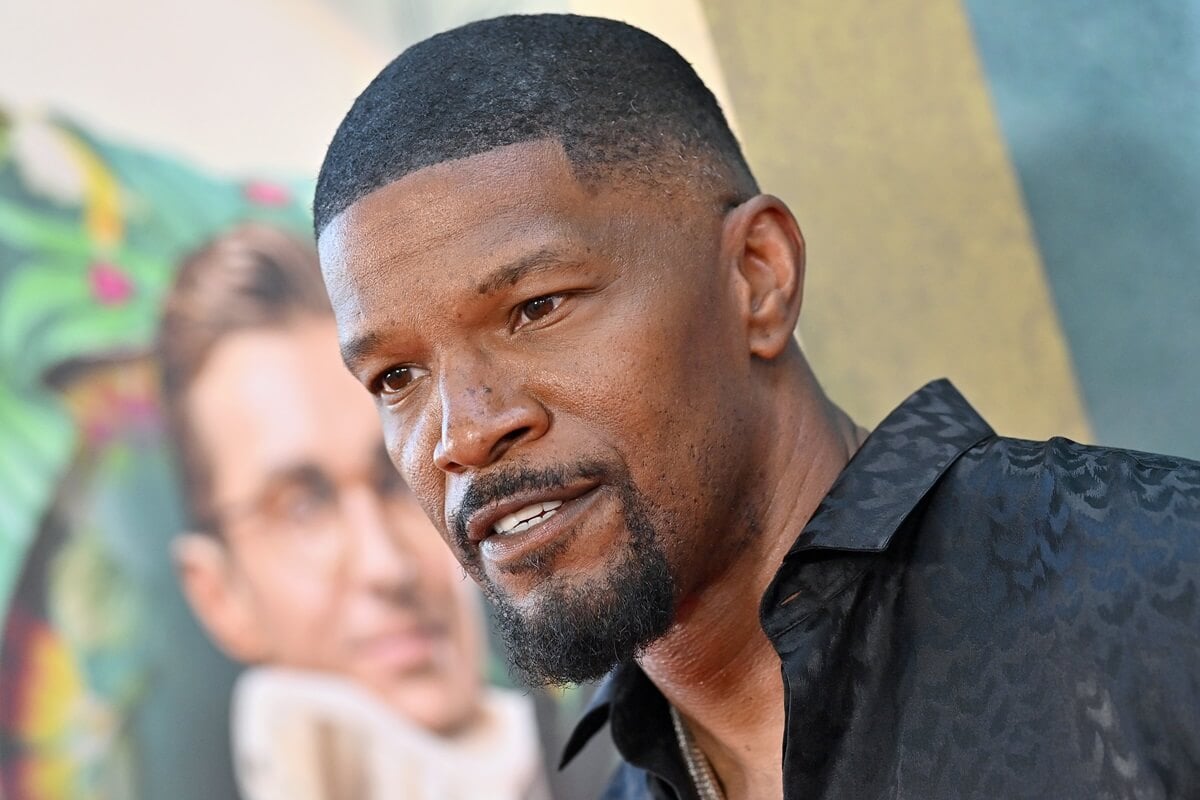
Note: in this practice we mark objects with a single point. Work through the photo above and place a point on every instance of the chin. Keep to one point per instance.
(445, 722)
(444, 711)
(575, 626)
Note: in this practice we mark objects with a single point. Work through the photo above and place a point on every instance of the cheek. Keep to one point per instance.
(441, 578)
(662, 384)
(297, 613)
(410, 447)
(439, 569)
(469, 636)
(455, 597)
(298, 602)
(664, 393)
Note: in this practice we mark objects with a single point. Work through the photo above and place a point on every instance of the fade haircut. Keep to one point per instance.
(618, 100)
(254, 277)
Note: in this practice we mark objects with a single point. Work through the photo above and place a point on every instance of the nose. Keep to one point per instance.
(380, 560)
(484, 414)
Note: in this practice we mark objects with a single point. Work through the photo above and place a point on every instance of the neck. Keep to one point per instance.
(716, 665)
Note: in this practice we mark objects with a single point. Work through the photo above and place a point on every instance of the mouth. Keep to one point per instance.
(525, 518)
(525, 522)
(404, 650)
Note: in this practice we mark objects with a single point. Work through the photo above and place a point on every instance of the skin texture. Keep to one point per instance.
(350, 580)
(663, 349)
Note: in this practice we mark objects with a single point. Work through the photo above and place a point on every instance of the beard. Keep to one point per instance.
(576, 632)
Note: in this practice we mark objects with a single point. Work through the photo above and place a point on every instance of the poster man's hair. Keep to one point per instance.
(252, 278)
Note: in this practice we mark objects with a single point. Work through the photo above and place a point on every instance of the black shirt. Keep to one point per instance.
(967, 615)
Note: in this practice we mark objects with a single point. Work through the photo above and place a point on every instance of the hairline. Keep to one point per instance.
(593, 175)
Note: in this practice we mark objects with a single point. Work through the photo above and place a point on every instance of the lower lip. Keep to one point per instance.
(507, 549)
(403, 652)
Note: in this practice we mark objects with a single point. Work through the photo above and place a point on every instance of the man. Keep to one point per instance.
(553, 269)
(310, 557)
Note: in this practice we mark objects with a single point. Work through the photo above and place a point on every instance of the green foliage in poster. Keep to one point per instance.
(90, 236)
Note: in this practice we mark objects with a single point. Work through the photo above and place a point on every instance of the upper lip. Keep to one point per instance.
(479, 524)
(422, 629)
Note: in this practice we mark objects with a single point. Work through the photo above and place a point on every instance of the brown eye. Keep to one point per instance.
(396, 379)
(539, 307)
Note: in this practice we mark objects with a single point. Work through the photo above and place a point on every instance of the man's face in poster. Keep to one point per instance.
(323, 560)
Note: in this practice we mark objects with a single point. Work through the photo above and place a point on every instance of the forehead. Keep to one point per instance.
(452, 220)
(435, 200)
(269, 399)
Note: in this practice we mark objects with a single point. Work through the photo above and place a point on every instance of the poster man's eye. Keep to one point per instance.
(539, 307)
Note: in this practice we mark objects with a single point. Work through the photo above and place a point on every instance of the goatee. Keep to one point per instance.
(577, 632)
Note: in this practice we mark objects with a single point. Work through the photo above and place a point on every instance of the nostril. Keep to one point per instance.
(509, 439)
(512, 436)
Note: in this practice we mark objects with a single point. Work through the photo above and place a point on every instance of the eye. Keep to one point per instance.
(303, 506)
(396, 380)
(538, 307)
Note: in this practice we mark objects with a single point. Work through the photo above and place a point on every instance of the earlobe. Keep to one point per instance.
(767, 248)
(223, 607)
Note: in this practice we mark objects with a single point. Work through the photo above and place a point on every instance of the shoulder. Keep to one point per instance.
(1066, 457)
(1062, 528)
(1121, 492)
(1056, 587)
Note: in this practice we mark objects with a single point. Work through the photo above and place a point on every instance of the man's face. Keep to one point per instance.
(560, 371)
(328, 561)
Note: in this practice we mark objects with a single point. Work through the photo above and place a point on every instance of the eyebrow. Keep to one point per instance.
(362, 347)
(301, 473)
(305, 472)
(513, 272)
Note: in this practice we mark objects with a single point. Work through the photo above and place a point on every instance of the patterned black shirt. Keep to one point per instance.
(967, 615)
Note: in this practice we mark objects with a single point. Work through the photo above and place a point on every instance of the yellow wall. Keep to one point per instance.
(872, 120)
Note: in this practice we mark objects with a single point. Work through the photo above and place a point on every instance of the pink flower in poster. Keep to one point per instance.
(265, 193)
(110, 285)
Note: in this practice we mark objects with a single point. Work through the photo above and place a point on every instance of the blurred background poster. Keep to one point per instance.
(206, 594)
(183, 445)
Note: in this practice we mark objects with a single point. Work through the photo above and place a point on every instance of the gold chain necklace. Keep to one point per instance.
(698, 768)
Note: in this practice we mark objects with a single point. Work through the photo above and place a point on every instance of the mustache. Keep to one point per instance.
(497, 486)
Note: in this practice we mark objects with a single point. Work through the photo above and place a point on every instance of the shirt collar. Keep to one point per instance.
(885, 481)
(895, 468)
(593, 719)
(641, 726)
(902, 459)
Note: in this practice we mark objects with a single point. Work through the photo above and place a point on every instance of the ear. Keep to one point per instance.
(766, 248)
(218, 596)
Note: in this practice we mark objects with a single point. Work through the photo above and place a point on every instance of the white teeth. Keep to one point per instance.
(527, 517)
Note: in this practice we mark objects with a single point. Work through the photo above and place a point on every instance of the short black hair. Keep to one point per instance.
(613, 95)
